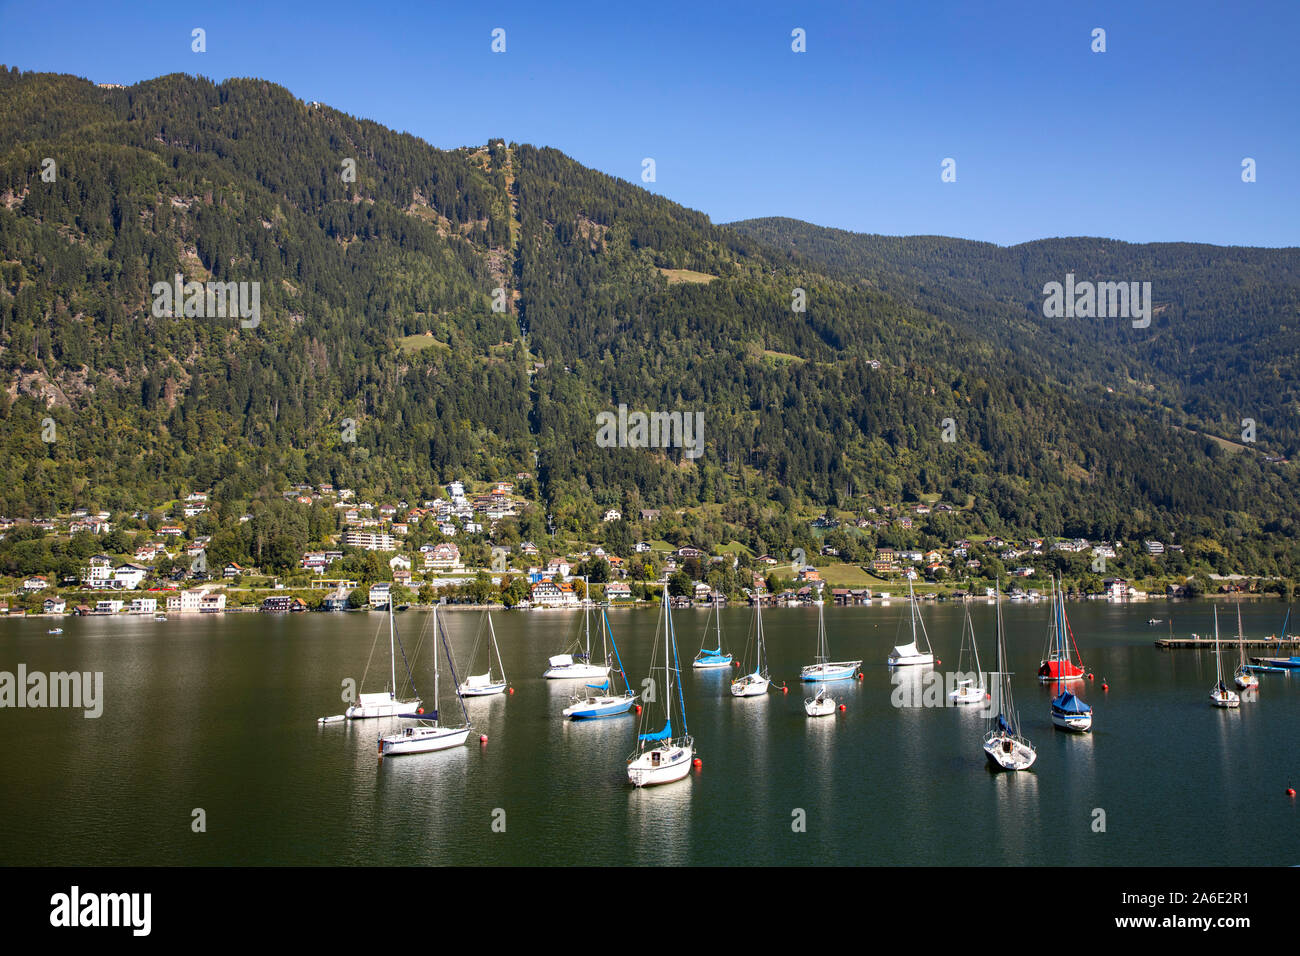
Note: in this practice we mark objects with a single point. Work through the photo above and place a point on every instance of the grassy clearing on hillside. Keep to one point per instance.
(674, 276)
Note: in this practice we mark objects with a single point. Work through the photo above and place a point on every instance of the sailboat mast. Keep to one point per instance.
(435, 662)
(392, 646)
(1218, 661)
(586, 614)
(668, 680)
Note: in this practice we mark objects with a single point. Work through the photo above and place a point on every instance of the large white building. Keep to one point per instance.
(370, 540)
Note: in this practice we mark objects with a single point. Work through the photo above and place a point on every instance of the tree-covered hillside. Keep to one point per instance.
(918, 367)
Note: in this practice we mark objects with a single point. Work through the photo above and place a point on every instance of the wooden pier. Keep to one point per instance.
(1290, 645)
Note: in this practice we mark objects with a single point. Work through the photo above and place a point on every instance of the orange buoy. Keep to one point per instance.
(1105, 686)
(482, 738)
(937, 661)
(842, 708)
(638, 708)
(1090, 677)
(697, 763)
(988, 696)
(735, 663)
(859, 675)
(784, 689)
(419, 710)
(510, 690)
(1290, 791)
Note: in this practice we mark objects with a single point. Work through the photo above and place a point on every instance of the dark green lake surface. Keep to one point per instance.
(219, 712)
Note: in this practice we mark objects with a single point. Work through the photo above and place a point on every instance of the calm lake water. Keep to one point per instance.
(219, 713)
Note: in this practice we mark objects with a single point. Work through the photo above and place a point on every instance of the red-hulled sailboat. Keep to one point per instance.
(1057, 664)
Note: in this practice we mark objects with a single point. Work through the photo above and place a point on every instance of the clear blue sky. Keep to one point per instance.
(1143, 142)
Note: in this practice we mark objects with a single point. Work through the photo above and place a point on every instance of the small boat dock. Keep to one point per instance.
(1196, 643)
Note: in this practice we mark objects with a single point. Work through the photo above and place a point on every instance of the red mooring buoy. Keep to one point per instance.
(843, 708)
(638, 708)
(1290, 791)
(482, 738)
(419, 710)
(510, 690)
(697, 763)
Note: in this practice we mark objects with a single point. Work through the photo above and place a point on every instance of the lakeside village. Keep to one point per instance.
(465, 547)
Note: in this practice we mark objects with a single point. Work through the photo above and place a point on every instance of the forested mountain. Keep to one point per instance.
(377, 307)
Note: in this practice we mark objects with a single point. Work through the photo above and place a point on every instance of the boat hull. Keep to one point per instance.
(1054, 670)
(706, 663)
(822, 673)
(419, 740)
(576, 672)
(824, 707)
(1224, 699)
(388, 707)
(750, 686)
(661, 765)
(968, 695)
(1078, 723)
(910, 660)
(593, 708)
(1008, 753)
(488, 691)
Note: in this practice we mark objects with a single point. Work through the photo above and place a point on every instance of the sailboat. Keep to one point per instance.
(576, 663)
(1068, 711)
(606, 701)
(821, 704)
(485, 685)
(908, 654)
(427, 734)
(1221, 696)
(1243, 676)
(968, 690)
(385, 703)
(659, 756)
(826, 670)
(1056, 664)
(712, 658)
(751, 685)
(1003, 744)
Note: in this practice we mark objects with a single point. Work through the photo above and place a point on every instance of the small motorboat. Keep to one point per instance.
(55, 630)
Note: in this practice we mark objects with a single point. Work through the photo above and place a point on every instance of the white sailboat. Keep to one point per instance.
(485, 685)
(602, 700)
(751, 685)
(1243, 676)
(575, 663)
(969, 690)
(428, 734)
(909, 654)
(1221, 695)
(1004, 746)
(384, 703)
(660, 756)
(709, 658)
(821, 704)
(824, 669)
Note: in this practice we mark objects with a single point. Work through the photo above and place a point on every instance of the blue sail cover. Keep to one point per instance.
(714, 653)
(1003, 725)
(604, 686)
(664, 734)
(1069, 704)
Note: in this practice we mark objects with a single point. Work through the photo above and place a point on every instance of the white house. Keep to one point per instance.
(36, 583)
(129, 576)
(380, 594)
(613, 514)
(142, 606)
(399, 561)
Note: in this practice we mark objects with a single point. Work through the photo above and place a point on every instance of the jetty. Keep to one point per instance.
(1197, 643)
